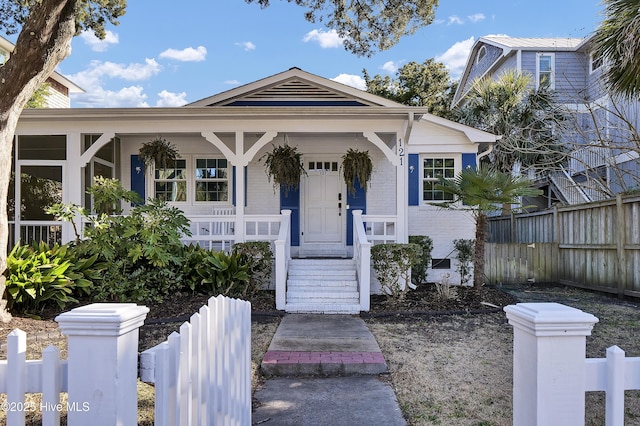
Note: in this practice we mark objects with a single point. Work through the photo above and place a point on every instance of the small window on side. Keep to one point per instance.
(481, 54)
(440, 263)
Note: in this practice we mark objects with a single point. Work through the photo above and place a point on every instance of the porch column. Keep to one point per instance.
(241, 163)
(72, 182)
(402, 200)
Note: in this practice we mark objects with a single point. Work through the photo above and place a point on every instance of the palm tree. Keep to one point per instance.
(480, 192)
(528, 121)
(616, 41)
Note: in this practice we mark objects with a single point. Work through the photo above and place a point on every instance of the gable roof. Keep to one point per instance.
(294, 87)
(528, 43)
(510, 46)
(7, 46)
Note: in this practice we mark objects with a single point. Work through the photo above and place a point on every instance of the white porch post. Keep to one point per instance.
(402, 200)
(103, 362)
(72, 182)
(549, 346)
(240, 183)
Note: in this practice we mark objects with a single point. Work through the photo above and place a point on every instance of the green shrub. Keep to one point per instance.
(464, 254)
(257, 255)
(39, 274)
(391, 263)
(223, 273)
(143, 251)
(420, 267)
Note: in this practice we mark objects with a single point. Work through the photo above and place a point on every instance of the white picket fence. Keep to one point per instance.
(551, 373)
(201, 376)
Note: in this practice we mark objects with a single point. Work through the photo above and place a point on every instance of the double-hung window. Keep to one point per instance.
(546, 70)
(433, 169)
(170, 181)
(212, 179)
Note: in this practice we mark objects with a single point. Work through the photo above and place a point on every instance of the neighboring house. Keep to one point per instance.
(600, 165)
(61, 87)
(221, 140)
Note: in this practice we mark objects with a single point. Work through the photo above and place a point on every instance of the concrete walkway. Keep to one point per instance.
(324, 371)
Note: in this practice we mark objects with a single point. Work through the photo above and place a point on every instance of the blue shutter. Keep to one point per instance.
(291, 201)
(414, 179)
(137, 176)
(356, 201)
(468, 161)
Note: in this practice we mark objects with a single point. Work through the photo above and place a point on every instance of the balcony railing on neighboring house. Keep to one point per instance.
(588, 158)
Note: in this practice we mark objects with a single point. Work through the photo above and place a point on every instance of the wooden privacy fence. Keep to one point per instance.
(202, 375)
(595, 245)
(551, 373)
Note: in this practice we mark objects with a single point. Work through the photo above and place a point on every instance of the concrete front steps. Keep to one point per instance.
(326, 286)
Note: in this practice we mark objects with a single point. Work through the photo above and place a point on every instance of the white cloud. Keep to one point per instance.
(96, 44)
(351, 80)
(127, 97)
(186, 55)
(390, 67)
(326, 39)
(232, 82)
(477, 17)
(455, 58)
(94, 77)
(453, 19)
(170, 99)
(247, 45)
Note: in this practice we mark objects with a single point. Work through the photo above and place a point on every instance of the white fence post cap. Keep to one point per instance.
(102, 319)
(550, 319)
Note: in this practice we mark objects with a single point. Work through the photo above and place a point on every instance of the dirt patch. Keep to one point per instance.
(450, 359)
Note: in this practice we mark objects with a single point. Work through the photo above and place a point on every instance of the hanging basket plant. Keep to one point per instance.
(158, 152)
(356, 165)
(284, 167)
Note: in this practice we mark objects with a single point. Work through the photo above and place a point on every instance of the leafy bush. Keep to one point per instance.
(420, 267)
(464, 254)
(257, 255)
(392, 263)
(38, 274)
(143, 251)
(223, 273)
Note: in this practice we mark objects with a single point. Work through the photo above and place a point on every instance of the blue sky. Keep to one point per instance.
(168, 53)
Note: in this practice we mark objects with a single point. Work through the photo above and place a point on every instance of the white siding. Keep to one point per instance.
(442, 226)
(57, 100)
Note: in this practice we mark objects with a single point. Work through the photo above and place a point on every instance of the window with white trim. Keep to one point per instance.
(170, 182)
(481, 54)
(595, 62)
(432, 170)
(212, 179)
(545, 67)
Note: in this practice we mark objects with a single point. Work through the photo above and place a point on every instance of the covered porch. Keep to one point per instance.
(238, 204)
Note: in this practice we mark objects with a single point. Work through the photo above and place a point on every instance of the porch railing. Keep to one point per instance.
(31, 230)
(362, 257)
(380, 229)
(283, 254)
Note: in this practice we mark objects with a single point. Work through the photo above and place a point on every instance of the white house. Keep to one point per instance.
(221, 185)
(60, 86)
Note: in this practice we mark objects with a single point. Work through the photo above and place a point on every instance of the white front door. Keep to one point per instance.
(323, 209)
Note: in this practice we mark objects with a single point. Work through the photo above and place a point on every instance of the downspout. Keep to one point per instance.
(483, 154)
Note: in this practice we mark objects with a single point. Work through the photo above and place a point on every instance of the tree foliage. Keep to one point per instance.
(367, 26)
(480, 192)
(528, 121)
(616, 40)
(427, 84)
